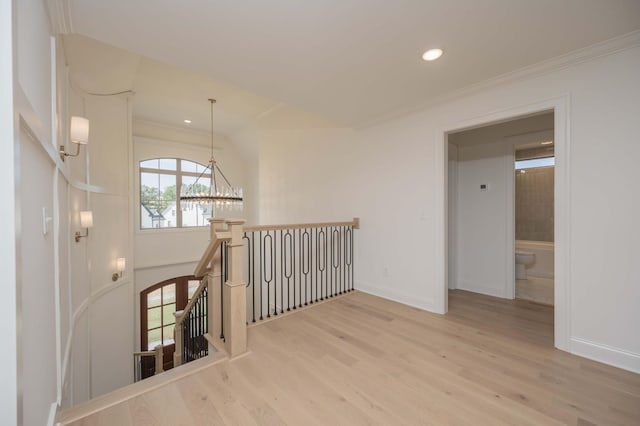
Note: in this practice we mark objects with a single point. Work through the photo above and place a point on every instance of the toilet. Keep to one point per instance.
(523, 259)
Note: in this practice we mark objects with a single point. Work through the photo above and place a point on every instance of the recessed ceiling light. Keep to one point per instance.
(187, 121)
(432, 54)
(546, 143)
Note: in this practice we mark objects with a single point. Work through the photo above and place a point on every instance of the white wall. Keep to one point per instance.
(39, 352)
(305, 175)
(397, 175)
(9, 395)
(36, 186)
(110, 342)
(483, 218)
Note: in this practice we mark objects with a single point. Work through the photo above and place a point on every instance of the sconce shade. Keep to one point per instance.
(121, 263)
(86, 219)
(79, 130)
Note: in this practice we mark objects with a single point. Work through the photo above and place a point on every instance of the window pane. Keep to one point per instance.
(154, 338)
(189, 185)
(196, 215)
(167, 335)
(169, 294)
(193, 286)
(188, 166)
(168, 163)
(150, 164)
(157, 198)
(167, 314)
(153, 318)
(154, 298)
(192, 167)
(536, 162)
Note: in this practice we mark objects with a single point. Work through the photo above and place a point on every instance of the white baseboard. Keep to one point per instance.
(606, 354)
(482, 289)
(396, 296)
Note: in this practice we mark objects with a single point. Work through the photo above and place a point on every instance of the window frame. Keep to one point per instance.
(179, 174)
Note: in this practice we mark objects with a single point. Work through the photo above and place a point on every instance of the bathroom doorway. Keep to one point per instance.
(534, 218)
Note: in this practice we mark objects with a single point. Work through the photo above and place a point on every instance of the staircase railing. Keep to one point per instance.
(222, 286)
(282, 267)
(291, 266)
(147, 363)
(191, 326)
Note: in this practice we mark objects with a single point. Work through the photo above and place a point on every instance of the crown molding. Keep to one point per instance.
(59, 16)
(586, 54)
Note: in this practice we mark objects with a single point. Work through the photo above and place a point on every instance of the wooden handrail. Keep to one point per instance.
(355, 223)
(216, 240)
(181, 315)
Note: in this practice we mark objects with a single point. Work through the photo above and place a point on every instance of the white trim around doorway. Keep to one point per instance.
(562, 195)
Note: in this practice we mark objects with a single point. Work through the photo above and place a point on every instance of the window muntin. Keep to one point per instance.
(161, 181)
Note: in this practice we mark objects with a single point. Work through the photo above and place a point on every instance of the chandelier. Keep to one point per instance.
(220, 194)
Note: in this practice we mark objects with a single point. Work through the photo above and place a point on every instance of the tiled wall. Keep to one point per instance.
(534, 204)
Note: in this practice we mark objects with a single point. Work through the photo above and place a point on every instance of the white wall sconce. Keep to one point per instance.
(86, 221)
(79, 135)
(121, 263)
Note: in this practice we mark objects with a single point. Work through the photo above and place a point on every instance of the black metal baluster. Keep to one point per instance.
(288, 267)
(253, 291)
(299, 268)
(249, 280)
(348, 252)
(261, 271)
(340, 260)
(322, 258)
(282, 274)
(268, 278)
(268, 281)
(315, 270)
(306, 266)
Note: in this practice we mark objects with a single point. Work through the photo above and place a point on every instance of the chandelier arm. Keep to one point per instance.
(213, 178)
(198, 178)
(223, 176)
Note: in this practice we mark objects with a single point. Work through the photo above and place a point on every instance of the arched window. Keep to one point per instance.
(161, 182)
(157, 306)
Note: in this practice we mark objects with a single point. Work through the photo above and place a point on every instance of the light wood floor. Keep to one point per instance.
(535, 289)
(360, 359)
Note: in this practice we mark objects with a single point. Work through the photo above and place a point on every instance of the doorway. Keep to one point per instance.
(158, 303)
(534, 221)
(450, 233)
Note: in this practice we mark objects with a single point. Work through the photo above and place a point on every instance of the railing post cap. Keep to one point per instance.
(216, 220)
(235, 221)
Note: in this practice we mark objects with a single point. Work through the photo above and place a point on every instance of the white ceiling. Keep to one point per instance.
(352, 61)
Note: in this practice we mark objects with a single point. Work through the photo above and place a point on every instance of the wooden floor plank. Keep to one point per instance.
(359, 359)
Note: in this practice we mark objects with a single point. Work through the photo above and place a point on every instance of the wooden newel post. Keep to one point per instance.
(235, 299)
(215, 285)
